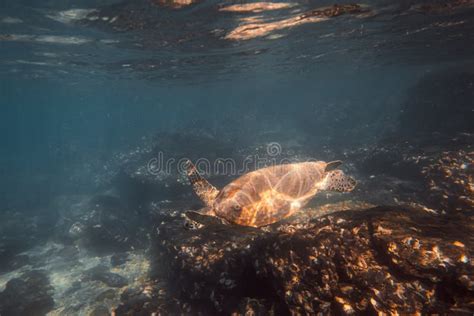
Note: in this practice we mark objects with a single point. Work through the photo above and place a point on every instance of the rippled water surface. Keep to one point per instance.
(212, 41)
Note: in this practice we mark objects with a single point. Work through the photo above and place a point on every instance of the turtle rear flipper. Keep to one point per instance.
(204, 190)
(204, 219)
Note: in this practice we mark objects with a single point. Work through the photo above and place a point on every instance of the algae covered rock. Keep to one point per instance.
(450, 180)
(435, 171)
(382, 259)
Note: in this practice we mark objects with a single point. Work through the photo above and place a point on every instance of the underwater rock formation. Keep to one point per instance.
(100, 311)
(118, 259)
(450, 180)
(436, 171)
(101, 224)
(30, 294)
(383, 259)
(21, 231)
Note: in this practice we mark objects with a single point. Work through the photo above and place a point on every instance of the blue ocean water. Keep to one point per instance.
(91, 90)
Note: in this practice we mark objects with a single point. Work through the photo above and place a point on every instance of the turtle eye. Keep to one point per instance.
(189, 225)
(235, 207)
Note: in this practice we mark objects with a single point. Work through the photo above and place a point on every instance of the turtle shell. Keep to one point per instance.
(267, 195)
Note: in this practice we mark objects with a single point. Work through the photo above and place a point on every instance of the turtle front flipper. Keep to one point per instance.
(204, 219)
(204, 190)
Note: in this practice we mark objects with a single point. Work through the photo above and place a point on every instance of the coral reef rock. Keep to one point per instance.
(20, 232)
(101, 273)
(101, 224)
(30, 294)
(376, 260)
(436, 171)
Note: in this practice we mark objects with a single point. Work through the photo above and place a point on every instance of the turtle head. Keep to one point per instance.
(336, 180)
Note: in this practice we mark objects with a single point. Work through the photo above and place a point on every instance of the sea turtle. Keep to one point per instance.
(266, 195)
